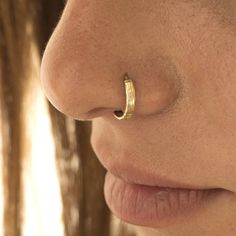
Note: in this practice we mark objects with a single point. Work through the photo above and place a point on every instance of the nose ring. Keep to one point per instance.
(130, 100)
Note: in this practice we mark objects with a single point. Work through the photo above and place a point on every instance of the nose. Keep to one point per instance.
(89, 52)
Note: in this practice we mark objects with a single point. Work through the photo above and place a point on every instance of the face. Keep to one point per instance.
(172, 166)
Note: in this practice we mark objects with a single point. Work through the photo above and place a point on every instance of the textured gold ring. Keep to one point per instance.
(130, 100)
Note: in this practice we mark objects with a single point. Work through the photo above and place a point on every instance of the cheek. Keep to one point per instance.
(214, 94)
(208, 66)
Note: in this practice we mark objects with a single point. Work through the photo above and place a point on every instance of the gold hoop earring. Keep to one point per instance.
(130, 100)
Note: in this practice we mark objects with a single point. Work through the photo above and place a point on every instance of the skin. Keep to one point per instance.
(181, 56)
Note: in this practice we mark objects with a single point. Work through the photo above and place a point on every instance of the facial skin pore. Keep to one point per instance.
(182, 56)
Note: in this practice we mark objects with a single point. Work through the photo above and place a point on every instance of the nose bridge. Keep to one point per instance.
(88, 54)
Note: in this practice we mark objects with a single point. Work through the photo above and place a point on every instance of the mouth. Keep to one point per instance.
(141, 197)
(154, 206)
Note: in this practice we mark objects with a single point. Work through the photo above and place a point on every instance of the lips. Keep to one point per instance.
(143, 197)
(132, 174)
(153, 206)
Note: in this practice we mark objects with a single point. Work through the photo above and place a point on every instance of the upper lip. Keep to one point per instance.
(134, 175)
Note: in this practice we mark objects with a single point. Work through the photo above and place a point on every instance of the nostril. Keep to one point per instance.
(118, 113)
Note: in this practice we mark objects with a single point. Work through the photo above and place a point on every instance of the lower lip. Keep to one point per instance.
(153, 206)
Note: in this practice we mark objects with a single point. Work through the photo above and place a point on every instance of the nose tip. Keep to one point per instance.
(79, 92)
(88, 95)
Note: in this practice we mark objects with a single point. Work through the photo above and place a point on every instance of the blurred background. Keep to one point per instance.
(51, 183)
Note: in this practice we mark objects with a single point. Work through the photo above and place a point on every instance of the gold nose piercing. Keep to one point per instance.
(130, 100)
